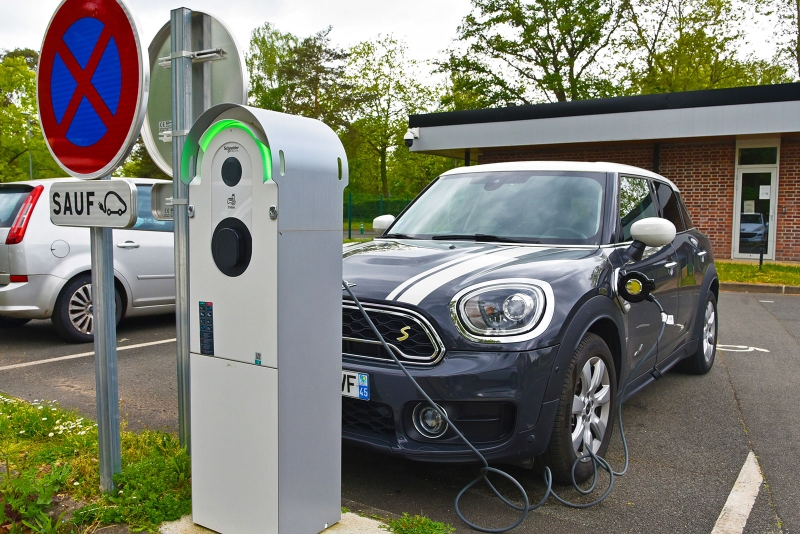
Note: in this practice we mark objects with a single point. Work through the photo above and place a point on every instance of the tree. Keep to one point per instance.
(21, 143)
(525, 52)
(299, 76)
(139, 164)
(787, 13)
(385, 81)
(686, 45)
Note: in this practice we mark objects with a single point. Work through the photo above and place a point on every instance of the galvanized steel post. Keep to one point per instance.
(181, 46)
(104, 328)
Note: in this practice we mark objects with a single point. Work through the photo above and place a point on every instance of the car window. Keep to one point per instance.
(635, 202)
(11, 200)
(687, 220)
(670, 209)
(145, 220)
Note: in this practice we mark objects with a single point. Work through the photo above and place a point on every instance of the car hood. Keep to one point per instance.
(413, 272)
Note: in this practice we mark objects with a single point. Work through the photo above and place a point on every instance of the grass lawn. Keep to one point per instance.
(358, 240)
(357, 226)
(49, 457)
(770, 273)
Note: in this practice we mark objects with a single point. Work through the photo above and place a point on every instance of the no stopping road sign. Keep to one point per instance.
(92, 86)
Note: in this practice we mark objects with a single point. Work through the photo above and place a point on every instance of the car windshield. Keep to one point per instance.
(520, 206)
(751, 218)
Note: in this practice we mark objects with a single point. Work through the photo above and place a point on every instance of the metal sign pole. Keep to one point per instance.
(105, 354)
(181, 45)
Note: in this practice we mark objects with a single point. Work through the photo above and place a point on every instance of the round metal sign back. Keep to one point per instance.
(217, 77)
(91, 86)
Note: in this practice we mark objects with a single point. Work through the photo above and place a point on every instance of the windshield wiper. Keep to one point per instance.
(479, 237)
(399, 236)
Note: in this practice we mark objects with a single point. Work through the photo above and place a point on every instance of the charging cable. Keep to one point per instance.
(598, 462)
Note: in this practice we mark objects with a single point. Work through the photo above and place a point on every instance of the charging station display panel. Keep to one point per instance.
(232, 306)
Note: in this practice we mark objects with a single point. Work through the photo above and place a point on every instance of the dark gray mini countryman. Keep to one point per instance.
(498, 288)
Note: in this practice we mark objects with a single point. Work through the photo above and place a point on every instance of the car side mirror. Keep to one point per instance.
(380, 224)
(649, 232)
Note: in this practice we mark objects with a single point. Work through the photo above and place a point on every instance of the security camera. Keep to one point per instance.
(411, 134)
(409, 138)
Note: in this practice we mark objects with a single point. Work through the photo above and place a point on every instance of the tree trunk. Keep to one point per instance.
(384, 179)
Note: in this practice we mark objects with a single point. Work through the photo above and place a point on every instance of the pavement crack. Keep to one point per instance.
(750, 444)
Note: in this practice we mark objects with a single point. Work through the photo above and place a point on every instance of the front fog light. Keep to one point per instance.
(428, 421)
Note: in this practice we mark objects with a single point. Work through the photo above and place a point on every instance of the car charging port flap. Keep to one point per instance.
(17, 232)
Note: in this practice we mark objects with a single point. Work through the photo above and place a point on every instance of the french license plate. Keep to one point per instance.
(355, 385)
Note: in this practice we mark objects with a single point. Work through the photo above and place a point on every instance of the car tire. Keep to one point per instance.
(702, 360)
(585, 409)
(12, 322)
(72, 316)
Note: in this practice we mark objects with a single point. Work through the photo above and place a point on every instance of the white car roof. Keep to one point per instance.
(578, 166)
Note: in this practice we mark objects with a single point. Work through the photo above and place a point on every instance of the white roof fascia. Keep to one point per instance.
(744, 119)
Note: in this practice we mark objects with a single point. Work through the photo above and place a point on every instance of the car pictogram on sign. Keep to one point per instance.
(113, 203)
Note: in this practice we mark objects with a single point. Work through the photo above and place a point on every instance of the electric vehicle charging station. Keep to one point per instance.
(265, 320)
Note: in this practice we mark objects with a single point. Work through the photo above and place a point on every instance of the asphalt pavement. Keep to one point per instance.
(689, 436)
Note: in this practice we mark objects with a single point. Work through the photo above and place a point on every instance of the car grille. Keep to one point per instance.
(409, 335)
(747, 235)
(367, 416)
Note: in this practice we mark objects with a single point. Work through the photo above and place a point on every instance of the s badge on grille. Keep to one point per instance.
(404, 331)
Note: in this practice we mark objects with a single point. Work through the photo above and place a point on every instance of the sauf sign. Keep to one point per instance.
(106, 203)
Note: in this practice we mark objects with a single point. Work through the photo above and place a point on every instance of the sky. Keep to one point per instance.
(427, 26)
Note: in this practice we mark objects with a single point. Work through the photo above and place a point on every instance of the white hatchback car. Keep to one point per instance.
(45, 269)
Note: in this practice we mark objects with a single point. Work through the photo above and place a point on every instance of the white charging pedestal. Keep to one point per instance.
(265, 294)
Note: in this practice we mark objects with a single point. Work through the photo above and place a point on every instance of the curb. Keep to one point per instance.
(350, 524)
(740, 287)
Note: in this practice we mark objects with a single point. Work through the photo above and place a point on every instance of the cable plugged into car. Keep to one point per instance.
(631, 284)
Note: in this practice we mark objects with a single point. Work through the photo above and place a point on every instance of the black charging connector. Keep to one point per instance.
(598, 462)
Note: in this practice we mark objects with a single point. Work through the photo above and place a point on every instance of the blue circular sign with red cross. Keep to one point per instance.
(91, 86)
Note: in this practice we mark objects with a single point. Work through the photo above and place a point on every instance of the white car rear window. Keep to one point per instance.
(11, 200)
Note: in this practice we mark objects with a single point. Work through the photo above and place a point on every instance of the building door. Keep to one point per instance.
(754, 213)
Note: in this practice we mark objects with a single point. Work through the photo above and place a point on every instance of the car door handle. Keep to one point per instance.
(671, 265)
(702, 255)
(128, 244)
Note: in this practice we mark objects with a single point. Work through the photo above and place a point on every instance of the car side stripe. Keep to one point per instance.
(417, 294)
(414, 279)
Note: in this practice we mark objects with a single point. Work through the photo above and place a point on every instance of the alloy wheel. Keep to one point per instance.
(80, 309)
(709, 332)
(591, 407)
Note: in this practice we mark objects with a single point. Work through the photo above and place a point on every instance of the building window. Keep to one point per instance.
(758, 156)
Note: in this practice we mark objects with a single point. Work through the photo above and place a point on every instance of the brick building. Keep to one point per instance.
(734, 153)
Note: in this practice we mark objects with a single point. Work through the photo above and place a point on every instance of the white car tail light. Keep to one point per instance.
(20, 225)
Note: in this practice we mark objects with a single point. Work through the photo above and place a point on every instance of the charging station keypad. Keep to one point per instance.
(207, 328)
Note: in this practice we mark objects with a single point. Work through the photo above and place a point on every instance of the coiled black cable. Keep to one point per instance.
(598, 462)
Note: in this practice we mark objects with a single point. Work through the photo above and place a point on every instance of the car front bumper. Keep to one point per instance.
(495, 398)
(33, 299)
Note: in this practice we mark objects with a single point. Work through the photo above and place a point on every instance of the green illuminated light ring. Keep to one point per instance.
(211, 133)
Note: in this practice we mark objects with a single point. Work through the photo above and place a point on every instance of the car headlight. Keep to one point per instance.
(501, 310)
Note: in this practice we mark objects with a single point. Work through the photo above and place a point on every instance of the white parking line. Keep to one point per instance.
(741, 499)
(83, 355)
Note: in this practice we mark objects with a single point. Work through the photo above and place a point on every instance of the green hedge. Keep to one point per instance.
(365, 209)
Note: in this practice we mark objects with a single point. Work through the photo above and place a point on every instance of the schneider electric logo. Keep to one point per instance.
(231, 148)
